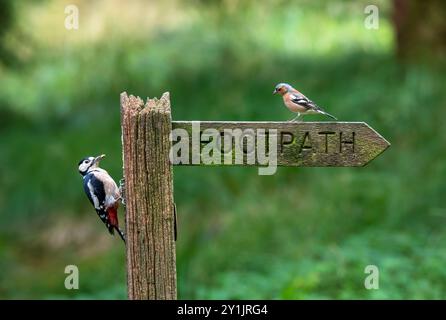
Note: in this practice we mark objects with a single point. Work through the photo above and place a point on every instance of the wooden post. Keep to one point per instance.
(150, 222)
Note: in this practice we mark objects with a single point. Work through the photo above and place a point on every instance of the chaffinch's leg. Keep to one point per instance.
(295, 118)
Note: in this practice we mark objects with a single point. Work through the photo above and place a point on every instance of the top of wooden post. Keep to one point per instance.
(135, 105)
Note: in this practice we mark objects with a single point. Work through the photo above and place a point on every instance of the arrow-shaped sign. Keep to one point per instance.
(305, 144)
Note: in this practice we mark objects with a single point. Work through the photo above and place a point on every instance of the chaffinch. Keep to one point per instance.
(297, 102)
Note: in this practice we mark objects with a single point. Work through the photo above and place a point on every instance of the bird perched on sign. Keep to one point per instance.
(102, 192)
(297, 102)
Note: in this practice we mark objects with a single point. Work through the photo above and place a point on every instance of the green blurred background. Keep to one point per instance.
(302, 233)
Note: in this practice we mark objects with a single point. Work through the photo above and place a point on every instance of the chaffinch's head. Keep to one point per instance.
(282, 88)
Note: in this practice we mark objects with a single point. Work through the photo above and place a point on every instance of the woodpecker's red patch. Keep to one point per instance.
(113, 216)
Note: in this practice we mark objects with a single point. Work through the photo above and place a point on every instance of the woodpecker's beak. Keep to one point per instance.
(99, 158)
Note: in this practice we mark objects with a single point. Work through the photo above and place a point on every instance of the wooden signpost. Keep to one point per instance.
(152, 144)
(303, 144)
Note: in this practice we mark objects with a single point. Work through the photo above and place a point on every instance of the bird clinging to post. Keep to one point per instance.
(297, 102)
(102, 192)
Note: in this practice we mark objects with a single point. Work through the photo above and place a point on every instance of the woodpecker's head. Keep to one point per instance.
(282, 88)
(89, 163)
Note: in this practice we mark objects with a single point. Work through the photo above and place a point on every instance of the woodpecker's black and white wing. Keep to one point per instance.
(94, 188)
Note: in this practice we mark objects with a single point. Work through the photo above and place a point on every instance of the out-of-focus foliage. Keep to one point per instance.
(420, 39)
(6, 22)
(302, 233)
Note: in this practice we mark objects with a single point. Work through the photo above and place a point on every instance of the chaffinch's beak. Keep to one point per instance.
(99, 158)
(275, 91)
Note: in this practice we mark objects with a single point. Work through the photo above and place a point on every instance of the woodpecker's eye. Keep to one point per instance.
(86, 161)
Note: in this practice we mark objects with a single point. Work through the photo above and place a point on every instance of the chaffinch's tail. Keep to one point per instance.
(327, 114)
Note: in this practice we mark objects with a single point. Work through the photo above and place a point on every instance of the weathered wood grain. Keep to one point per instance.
(306, 144)
(151, 261)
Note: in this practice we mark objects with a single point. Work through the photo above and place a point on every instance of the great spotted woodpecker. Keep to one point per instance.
(102, 192)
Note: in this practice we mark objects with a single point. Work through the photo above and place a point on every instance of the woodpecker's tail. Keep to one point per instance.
(112, 229)
(113, 222)
(121, 233)
(327, 114)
